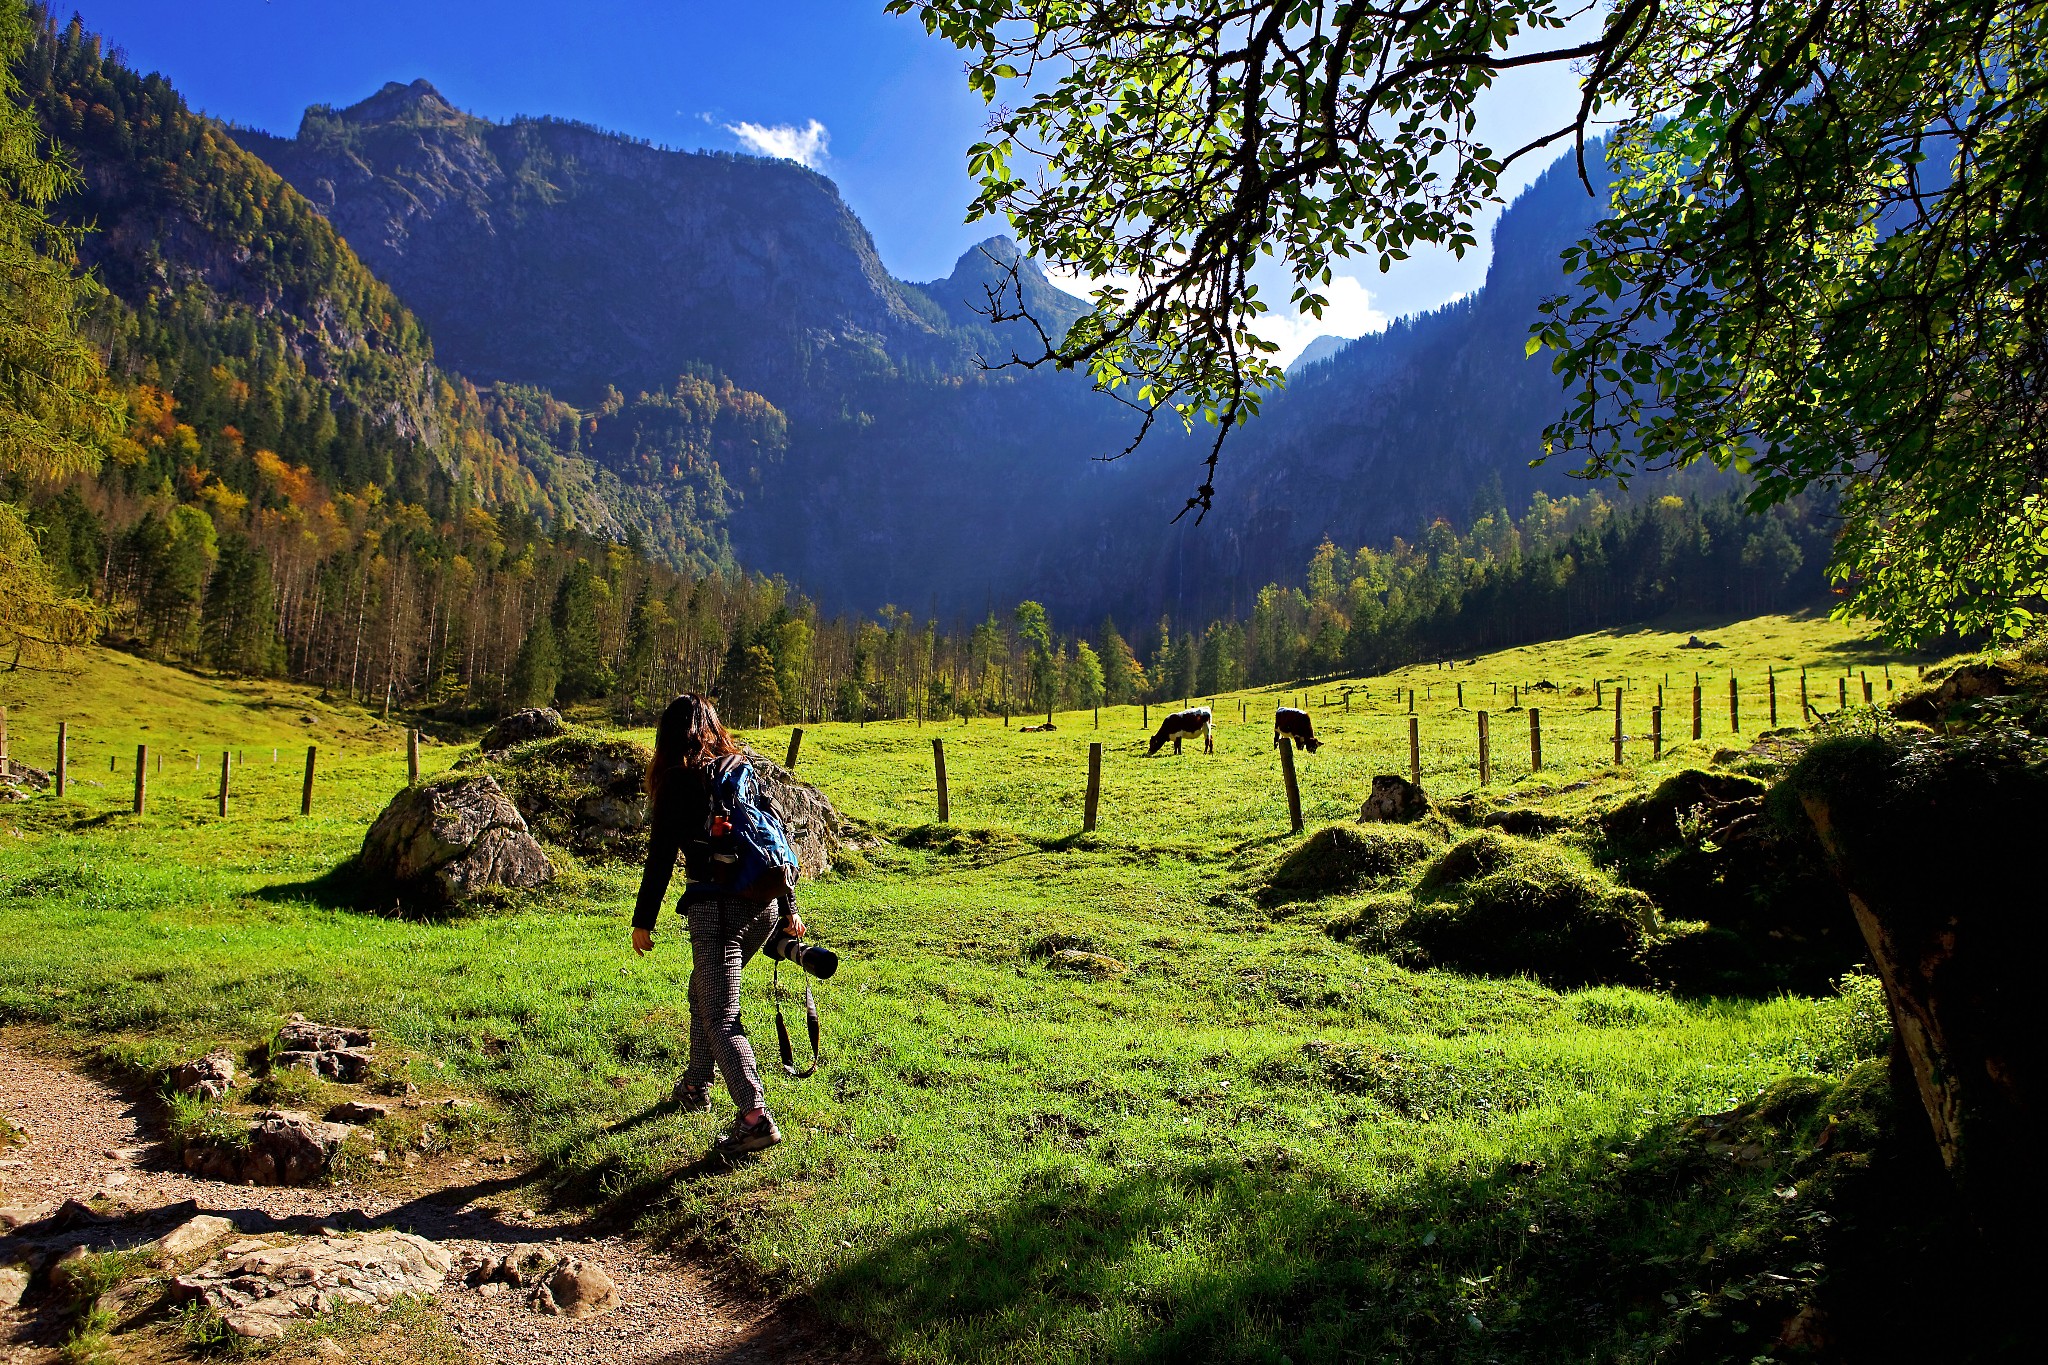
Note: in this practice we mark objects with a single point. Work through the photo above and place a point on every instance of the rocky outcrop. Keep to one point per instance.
(447, 841)
(338, 1052)
(259, 1286)
(207, 1078)
(521, 727)
(283, 1147)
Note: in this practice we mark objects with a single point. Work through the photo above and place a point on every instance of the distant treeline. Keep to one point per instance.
(441, 604)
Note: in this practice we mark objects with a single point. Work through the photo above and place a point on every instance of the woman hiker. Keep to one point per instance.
(691, 750)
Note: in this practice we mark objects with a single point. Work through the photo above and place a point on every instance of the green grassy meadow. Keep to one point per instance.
(1254, 1142)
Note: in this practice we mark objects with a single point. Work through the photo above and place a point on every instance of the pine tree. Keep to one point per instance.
(236, 623)
(580, 604)
(537, 670)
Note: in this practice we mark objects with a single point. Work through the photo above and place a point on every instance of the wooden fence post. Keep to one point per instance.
(1411, 701)
(1145, 720)
(1842, 693)
(1734, 711)
(1098, 717)
(63, 752)
(1656, 732)
(141, 776)
(1772, 683)
(796, 742)
(1867, 699)
(1696, 729)
(1414, 746)
(223, 781)
(1485, 757)
(306, 796)
(1617, 726)
(939, 766)
(1293, 791)
(1805, 706)
(1535, 739)
(1094, 787)
(412, 758)
(3, 741)
(1461, 695)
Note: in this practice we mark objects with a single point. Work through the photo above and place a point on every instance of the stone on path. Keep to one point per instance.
(193, 1234)
(257, 1287)
(579, 1289)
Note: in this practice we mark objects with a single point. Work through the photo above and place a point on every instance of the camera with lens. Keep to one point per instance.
(786, 947)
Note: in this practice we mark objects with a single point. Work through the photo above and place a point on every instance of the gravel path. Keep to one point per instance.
(84, 1138)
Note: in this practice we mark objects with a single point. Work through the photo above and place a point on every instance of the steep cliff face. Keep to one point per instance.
(1386, 434)
(544, 252)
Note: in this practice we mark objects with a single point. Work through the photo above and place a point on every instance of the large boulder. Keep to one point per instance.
(1934, 841)
(446, 841)
(1949, 695)
(521, 727)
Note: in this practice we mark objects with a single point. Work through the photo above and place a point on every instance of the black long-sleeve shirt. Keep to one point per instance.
(685, 801)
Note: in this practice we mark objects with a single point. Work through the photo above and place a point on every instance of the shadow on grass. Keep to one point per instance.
(1803, 1224)
(346, 886)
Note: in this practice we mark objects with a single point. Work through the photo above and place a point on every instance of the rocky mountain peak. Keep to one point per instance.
(418, 102)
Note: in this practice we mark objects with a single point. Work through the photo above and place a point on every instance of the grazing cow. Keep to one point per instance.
(1296, 726)
(1196, 720)
(1036, 729)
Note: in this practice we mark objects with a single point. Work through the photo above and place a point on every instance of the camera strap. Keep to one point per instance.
(782, 1029)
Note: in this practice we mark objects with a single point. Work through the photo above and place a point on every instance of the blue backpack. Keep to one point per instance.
(745, 836)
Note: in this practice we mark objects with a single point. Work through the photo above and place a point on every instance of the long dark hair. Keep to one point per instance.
(688, 735)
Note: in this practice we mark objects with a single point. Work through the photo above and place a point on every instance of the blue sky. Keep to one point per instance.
(891, 111)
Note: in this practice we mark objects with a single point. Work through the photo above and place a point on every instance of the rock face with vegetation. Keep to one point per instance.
(1936, 841)
(578, 791)
(446, 841)
(588, 794)
(1722, 850)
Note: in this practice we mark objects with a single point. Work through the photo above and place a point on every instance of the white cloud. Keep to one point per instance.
(1348, 312)
(785, 141)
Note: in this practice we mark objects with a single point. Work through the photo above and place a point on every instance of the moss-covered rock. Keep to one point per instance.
(1345, 858)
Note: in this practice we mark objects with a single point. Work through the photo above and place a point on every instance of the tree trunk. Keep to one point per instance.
(1935, 845)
